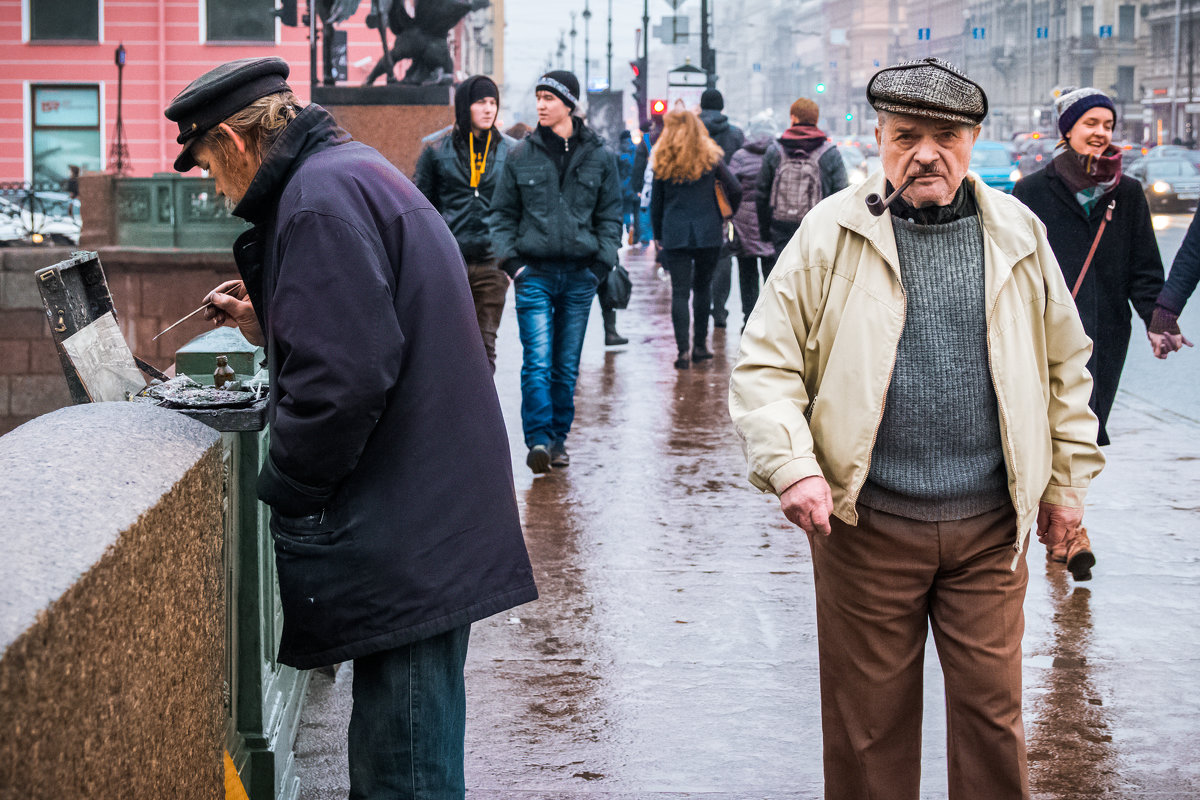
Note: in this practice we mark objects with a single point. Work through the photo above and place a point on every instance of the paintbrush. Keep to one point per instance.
(185, 319)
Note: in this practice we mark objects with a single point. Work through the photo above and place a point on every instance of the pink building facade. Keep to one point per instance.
(58, 76)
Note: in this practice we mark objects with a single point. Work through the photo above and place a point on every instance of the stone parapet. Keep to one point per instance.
(111, 606)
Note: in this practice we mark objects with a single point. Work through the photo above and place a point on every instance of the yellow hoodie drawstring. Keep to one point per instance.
(477, 170)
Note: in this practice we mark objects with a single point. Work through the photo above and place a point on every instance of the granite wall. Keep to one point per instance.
(112, 622)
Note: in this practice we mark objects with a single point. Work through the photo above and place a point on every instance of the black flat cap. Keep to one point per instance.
(219, 94)
(929, 88)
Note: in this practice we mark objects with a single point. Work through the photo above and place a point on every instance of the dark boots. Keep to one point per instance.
(611, 337)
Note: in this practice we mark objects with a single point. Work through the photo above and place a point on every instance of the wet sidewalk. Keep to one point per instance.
(673, 651)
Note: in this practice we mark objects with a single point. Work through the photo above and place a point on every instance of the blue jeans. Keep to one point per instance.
(409, 720)
(644, 232)
(552, 313)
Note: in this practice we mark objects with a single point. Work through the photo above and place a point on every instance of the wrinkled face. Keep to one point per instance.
(483, 114)
(550, 109)
(232, 177)
(1092, 133)
(939, 151)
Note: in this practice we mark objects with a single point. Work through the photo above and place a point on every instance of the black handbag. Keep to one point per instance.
(616, 288)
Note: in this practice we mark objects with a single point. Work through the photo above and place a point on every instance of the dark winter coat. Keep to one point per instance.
(729, 137)
(626, 157)
(564, 221)
(444, 177)
(389, 474)
(797, 139)
(1185, 271)
(1126, 269)
(745, 166)
(685, 215)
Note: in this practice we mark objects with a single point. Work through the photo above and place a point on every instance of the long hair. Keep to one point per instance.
(685, 151)
(259, 124)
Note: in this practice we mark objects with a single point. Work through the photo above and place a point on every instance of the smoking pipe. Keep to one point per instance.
(877, 206)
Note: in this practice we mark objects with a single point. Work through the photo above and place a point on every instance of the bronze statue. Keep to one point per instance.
(420, 36)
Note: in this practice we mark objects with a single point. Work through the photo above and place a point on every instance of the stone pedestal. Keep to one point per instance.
(392, 119)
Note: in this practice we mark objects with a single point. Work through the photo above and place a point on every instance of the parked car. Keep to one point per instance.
(1170, 184)
(1037, 153)
(856, 163)
(995, 164)
(1173, 151)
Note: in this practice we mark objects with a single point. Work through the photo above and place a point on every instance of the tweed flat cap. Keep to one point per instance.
(929, 88)
(219, 94)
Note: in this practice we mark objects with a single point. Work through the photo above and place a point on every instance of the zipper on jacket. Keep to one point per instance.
(1019, 547)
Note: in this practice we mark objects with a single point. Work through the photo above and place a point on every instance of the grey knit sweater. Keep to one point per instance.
(938, 454)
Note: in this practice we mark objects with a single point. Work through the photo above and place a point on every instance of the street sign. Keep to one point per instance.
(672, 30)
(1043, 33)
(1106, 31)
(687, 75)
(756, 67)
(1191, 108)
(978, 33)
(923, 34)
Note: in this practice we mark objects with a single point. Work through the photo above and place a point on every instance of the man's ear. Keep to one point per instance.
(237, 140)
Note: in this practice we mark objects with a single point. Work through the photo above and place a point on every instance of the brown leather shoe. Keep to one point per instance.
(1057, 553)
(1080, 558)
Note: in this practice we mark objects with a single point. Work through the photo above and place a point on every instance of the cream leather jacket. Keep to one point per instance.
(816, 359)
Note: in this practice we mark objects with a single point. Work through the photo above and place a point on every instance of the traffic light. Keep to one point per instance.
(849, 117)
(639, 86)
(658, 107)
(820, 88)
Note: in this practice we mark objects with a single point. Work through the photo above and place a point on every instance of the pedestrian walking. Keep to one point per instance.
(556, 223)
(1181, 282)
(626, 156)
(1098, 224)
(802, 169)
(388, 474)
(689, 170)
(913, 387)
(730, 139)
(755, 256)
(457, 173)
(643, 177)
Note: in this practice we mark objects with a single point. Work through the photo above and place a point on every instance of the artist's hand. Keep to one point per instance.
(1163, 344)
(808, 504)
(1055, 522)
(231, 302)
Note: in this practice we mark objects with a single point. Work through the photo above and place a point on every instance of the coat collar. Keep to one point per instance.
(1008, 233)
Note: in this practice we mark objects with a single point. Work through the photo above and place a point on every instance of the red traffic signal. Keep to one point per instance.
(636, 67)
(658, 107)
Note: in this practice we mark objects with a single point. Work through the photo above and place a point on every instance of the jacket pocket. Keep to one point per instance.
(533, 183)
(586, 190)
(301, 534)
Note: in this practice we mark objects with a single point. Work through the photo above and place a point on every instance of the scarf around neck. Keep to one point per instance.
(1088, 177)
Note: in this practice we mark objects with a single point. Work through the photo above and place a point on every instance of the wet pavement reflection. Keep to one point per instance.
(673, 651)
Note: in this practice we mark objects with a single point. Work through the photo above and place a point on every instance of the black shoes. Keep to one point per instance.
(682, 361)
(700, 353)
(558, 455)
(612, 338)
(538, 459)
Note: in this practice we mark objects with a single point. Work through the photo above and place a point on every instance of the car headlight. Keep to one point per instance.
(1015, 175)
(1162, 187)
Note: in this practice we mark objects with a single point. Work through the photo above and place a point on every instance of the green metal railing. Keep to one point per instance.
(171, 210)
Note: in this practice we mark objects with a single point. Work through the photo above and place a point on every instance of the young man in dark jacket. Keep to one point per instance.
(457, 172)
(801, 141)
(388, 475)
(556, 223)
(730, 138)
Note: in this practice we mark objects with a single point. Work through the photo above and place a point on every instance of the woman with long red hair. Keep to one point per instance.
(688, 223)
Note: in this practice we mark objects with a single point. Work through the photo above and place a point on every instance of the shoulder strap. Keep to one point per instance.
(1088, 261)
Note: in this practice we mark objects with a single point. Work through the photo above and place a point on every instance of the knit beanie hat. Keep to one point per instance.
(482, 89)
(562, 84)
(1074, 104)
(805, 111)
(711, 100)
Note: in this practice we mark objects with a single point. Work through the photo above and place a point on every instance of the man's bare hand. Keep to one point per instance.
(231, 302)
(1055, 522)
(808, 504)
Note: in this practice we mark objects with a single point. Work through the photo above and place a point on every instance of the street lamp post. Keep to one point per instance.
(610, 45)
(572, 41)
(587, 58)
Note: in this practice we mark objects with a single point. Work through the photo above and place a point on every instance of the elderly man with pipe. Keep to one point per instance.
(913, 386)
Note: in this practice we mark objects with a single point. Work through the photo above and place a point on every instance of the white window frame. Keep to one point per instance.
(202, 26)
(27, 26)
(27, 100)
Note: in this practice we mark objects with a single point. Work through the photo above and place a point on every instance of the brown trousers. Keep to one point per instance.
(489, 285)
(879, 585)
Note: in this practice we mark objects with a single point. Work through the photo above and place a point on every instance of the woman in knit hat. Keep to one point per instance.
(1075, 194)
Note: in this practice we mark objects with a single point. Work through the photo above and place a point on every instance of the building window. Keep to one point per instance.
(1086, 76)
(66, 130)
(240, 20)
(1125, 84)
(1087, 22)
(1125, 22)
(64, 20)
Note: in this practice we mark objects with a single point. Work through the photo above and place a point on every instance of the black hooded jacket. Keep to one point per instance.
(729, 137)
(444, 177)
(389, 473)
